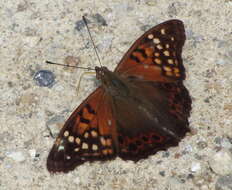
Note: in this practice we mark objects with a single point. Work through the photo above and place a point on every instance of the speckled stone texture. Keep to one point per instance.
(35, 31)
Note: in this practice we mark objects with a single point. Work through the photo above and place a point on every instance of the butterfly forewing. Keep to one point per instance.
(86, 135)
(156, 55)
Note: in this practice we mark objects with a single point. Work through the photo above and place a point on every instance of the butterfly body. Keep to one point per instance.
(140, 108)
(111, 82)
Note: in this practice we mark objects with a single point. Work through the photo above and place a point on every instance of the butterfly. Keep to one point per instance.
(140, 108)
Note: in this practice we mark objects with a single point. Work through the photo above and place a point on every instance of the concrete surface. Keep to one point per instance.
(33, 31)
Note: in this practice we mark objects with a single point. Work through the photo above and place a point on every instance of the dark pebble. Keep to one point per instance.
(44, 78)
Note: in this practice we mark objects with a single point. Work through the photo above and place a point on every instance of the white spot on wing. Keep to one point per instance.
(94, 147)
(94, 134)
(85, 146)
(71, 139)
(150, 36)
(156, 40)
(86, 135)
(109, 122)
(159, 47)
(68, 157)
(162, 31)
(170, 61)
(146, 66)
(78, 140)
(61, 147)
(103, 141)
(166, 53)
(66, 133)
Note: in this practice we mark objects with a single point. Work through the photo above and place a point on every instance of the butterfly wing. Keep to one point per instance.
(154, 116)
(154, 65)
(156, 55)
(86, 136)
(157, 123)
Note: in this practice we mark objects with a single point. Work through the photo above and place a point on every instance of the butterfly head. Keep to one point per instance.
(111, 81)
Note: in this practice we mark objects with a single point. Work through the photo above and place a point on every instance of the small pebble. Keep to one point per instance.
(198, 157)
(31, 41)
(77, 180)
(195, 167)
(54, 125)
(218, 140)
(165, 154)
(172, 9)
(187, 149)
(224, 183)
(174, 183)
(189, 33)
(32, 153)
(190, 176)
(221, 162)
(151, 2)
(71, 61)
(201, 144)
(99, 19)
(146, 27)
(225, 143)
(205, 187)
(44, 78)
(221, 62)
(16, 156)
(162, 173)
(106, 43)
(202, 180)
(80, 24)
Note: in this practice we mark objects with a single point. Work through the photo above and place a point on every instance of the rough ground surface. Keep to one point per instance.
(34, 31)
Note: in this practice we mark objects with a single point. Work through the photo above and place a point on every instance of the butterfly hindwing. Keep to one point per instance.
(163, 123)
(179, 101)
(156, 55)
(86, 135)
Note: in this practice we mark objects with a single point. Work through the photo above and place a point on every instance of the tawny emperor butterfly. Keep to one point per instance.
(140, 108)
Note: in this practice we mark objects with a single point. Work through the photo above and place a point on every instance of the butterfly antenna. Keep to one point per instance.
(52, 63)
(82, 75)
(94, 46)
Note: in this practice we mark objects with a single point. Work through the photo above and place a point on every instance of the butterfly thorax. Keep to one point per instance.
(111, 82)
